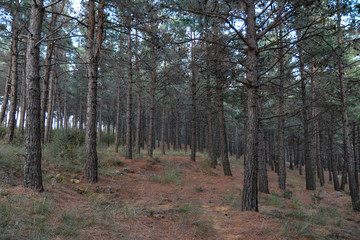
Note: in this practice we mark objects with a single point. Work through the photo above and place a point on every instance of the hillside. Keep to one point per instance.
(167, 197)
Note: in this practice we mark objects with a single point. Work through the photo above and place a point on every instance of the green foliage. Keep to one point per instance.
(191, 215)
(12, 157)
(25, 218)
(273, 199)
(2, 131)
(71, 222)
(171, 174)
(199, 189)
(66, 150)
(232, 198)
(287, 194)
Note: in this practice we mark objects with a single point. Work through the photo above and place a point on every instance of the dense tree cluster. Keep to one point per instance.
(274, 82)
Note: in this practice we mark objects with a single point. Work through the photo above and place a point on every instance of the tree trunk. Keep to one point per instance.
(50, 105)
(139, 99)
(99, 131)
(23, 103)
(263, 176)
(32, 168)
(45, 85)
(222, 128)
(14, 75)
(128, 147)
(118, 112)
(163, 131)
(152, 106)
(309, 165)
(92, 58)
(348, 152)
(193, 105)
(250, 193)
(281, 123)
(65, 103)
(333, 159)
(6, 92)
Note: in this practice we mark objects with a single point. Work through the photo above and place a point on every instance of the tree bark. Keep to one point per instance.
(152, 106)
(222, 129)
(333, 159)
(6, 92)
(23, 102)
(92, 58)
(348, 152)
(263, 176)
(128, 146)
(210, 147)
(309, 168)
(139, 99)
(45, 85)
(14, 75)
(65, 103)
(250, 193)
(51, 98)
(32, 168)
(281, 122)
(193, 105)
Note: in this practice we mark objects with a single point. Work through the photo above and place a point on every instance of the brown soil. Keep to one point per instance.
(153, 210)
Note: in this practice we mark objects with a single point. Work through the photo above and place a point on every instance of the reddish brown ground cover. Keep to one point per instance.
(175, 198)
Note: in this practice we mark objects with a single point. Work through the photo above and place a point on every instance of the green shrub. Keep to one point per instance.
(192, 216)
(2, 131)
(66, 150)
(171, 174)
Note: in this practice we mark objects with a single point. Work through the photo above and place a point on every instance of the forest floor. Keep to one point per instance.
(167, 197)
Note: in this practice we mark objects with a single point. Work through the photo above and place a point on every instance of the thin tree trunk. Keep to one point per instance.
(118, 120)
(65, 103)
(193, 106)
(6, 92)
(139, 99)
(23, 102)
(250, 193)
(309, 169)
(99, 131)
(348, 152)
(45, 85)
(263, 176)
(299, 155)
(14, 75)
(128, 147)
(222, 130)
(92, 58)
(50, 104)
(333, 159)
(152, 106)
(32, 168)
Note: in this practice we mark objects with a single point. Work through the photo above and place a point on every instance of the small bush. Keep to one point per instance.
(273, 199)
(199, 189)
(171, 174)
(192, 216)
(66, 150)
(287, 194)
(71, 222)
(233, 198)
(2, 131)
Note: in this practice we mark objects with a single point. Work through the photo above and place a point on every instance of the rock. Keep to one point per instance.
(125, 170)
(117, 172)
(59, 178)
(75, 181)
(81, 191)
(4, 193)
